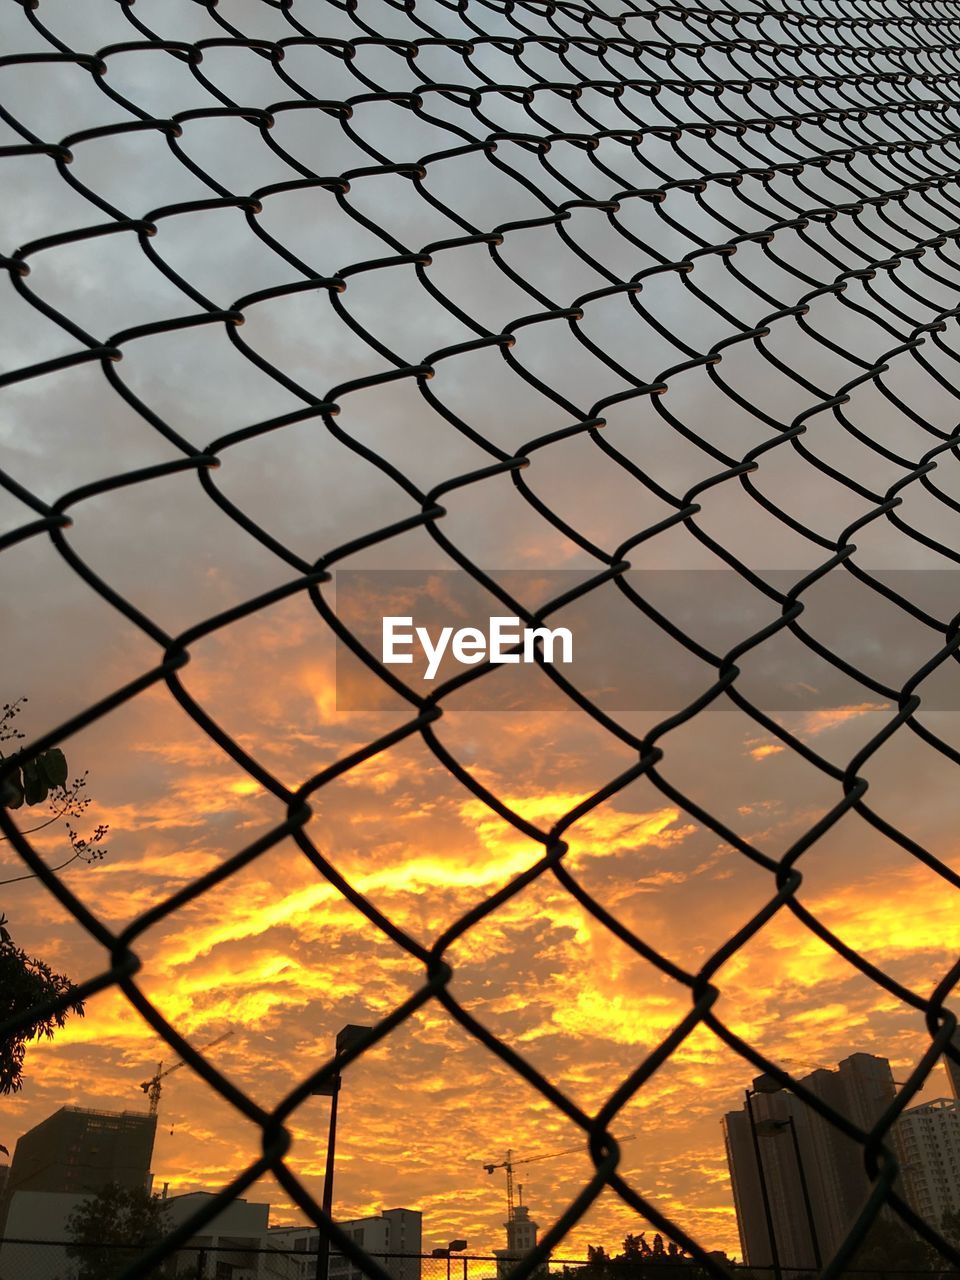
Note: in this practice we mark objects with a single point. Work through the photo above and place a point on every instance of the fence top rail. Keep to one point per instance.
(606, 1265)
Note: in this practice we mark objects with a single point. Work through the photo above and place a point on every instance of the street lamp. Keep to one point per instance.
(772, 1128)
(347, 1036)
(455, 1246)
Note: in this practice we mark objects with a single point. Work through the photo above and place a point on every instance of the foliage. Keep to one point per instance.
(642, 1259)
(950, 1227)
(891, 1251)
(45, 779)
(113, 1228)
(890, 1247)
(25, 981)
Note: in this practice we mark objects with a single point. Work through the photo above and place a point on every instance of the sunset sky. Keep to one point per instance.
(276, 955)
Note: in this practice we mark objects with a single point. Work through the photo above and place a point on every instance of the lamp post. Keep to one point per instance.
(455, 1246)
(762, 1085)
(331, 1089)
(772, 1128)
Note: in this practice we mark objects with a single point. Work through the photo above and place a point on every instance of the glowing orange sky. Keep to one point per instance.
(279, 957)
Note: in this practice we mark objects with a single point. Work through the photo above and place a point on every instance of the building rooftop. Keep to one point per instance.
(936, 1104)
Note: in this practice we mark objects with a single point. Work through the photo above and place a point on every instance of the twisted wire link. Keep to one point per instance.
(809, 148)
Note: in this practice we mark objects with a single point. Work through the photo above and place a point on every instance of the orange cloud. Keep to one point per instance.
(827, 718)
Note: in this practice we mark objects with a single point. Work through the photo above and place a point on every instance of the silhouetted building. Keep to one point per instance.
(860, 1089)
(236, 1242)
(77, 1150)
(521, 1238)
(929, 1141)
(393, 1232)
(40, 1218)
(953, 1069)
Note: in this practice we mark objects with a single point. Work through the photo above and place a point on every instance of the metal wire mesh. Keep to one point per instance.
(43, 1260)
(820, 124)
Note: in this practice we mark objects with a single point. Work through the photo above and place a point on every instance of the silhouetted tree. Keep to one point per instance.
(950, 1226)
(641, 1260)
(113, 1228)
(890, 1246)
(596, 1267)
(25, 981)
(635, 1249)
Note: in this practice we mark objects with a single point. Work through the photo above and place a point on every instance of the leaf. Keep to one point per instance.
(12, 794)
(53, 764)
(35, 786)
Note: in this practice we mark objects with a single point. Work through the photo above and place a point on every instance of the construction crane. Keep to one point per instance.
(510, 1164)
(154, 1086)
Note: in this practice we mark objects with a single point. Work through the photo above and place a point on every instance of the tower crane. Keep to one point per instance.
(153, 1087)
(510, 1164)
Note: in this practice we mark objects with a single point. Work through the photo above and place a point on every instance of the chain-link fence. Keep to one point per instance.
(48, 1260)
(769, 192)
(235, 1259)
(238, 1259)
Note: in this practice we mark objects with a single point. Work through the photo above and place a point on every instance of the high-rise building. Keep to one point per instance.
(77, 1150)
(929, 1141)
(394, 1237)
(953, 1069)
(797, 1145)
